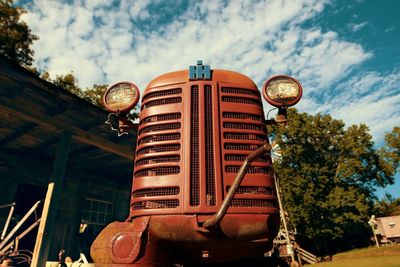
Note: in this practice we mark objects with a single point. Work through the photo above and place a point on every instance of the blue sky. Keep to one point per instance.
(346, 54)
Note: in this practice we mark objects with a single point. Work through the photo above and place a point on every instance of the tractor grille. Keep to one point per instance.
(194, 148)
(162, 117)
(231, 146)
(160, 127)
(243, 126)
(239, 91)
(158, 149)
(243, 133)
(155, 160)
(155, 204)
(262, 203)
(241, 116)
(250, 170)
(208, 117)
(159, 138)
(224, 126)
(165, 101)
(162, 93)
(241, 158)
(254, 190)
(245, 136)
(156, 192)
(159, 132)
(157, 171)
(241, 100)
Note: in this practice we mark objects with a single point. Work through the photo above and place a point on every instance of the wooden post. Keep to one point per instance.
(46, 227)
(283, 217)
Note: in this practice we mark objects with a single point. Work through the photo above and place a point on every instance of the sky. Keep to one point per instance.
(346, 54)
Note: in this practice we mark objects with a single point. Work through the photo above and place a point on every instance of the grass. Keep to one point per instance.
(388, 256)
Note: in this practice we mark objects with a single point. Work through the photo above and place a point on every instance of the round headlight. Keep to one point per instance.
(282, 91)
(121, 97)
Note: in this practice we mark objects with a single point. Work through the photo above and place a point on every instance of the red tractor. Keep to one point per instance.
(203, 188)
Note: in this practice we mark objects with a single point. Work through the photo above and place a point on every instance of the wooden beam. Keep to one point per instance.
(18, 133)
(30, 126)
(55, 125)
(47, 222)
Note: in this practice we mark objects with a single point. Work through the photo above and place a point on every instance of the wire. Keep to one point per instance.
(270, 111)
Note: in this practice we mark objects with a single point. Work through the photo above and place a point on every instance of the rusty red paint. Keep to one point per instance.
(193, 138)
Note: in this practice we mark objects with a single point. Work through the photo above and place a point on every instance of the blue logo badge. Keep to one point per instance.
(200, 71)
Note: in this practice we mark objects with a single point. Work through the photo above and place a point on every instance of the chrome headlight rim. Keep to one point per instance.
(281, 103)
(129, 106)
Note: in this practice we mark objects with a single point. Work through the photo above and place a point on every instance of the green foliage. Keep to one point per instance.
(328, 175)
(70, 83)
(15, 35)
(95, 94)
(390, 153)
(388, 206)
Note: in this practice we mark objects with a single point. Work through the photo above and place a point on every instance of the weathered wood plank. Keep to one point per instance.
(45, 231)
(57, 126)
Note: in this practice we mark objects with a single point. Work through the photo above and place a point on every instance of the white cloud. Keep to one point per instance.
(105, 43)
(372, 99)
(357, 26)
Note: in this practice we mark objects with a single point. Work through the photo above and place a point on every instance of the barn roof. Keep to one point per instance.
(34, 113)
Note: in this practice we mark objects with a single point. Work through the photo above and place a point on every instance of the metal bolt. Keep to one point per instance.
(205, 254)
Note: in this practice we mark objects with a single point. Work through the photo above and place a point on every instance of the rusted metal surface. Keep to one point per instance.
(216, 219)
(193, 136)
(202, 160)
(119, 242)
(174, 238)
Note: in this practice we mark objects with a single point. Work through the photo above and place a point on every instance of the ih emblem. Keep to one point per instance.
(200, 71)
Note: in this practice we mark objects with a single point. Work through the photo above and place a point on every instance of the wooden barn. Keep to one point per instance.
(388, 229)
(55, 148)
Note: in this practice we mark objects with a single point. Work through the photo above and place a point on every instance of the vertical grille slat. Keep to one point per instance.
(194, 147)
(210, 173)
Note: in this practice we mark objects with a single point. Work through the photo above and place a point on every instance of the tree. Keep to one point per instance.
(390, 152)
(328, 175)
(95, 94)
(15, 35)
(67, 82)
(388, 206)
(70, 84)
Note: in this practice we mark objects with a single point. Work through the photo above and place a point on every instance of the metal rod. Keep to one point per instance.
(216, 218)
(20, 236)
(3, 234)
(15, 229)
(7, 205)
